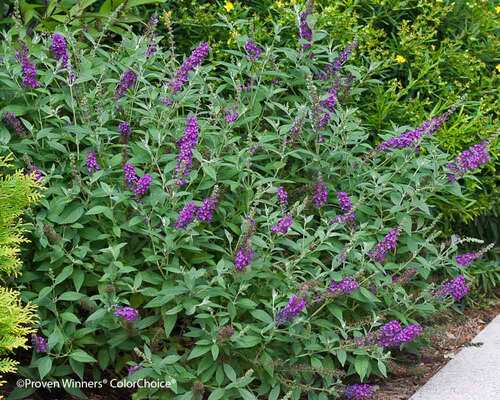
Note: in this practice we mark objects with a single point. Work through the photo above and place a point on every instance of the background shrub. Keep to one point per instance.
(17, 191)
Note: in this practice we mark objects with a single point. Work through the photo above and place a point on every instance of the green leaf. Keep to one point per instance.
(215, 351)
(262, 316)
(341, 356)
(230, 373)
(44, 366)
(246, 394)
(198, 351)
(70, 296)
(82, 356)
(361, 364)
(247, 342)
(217, 394)
(65, 273)
(274, 394)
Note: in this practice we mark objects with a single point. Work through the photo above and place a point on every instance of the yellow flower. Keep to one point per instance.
(228, 6)
(497, 9)
(400, 59)
(498, 67)
(280, 4)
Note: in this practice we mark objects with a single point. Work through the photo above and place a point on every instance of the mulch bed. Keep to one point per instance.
(449, 334)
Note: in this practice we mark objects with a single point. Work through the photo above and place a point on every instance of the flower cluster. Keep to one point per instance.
(346, 285)
(10, 119)
(253, 51)
(467, 258)
(404, 277)
(37, 174)
(186, 145)
(359, 392)
(291, 310)
(320, 196)
(231, 116)
(305, 31)
(411, 138)
(124, 129)
(295, 130)
(127, 80)
(205, 212)
(133, 369)
(282, 196)
(333, 68)
(129, 175)
(92, 165)
(59, 49)
(127, 313)
(456, 288)
(469, 160)
(39, 343)
(331, 100)
(244, 256)
(186, 215)
(393, 334)
(387, 244)
(28, 68)
(140, 186)
(283, 225)
(189, 64)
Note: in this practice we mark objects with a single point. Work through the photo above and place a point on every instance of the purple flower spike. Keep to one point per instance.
(253, 51)
(151, 50)
(127, 313)
(292, 309)
(346, 286)
(393, 335)
(387, 244)
(28, 69)
(10, 119)
(344, 201)
(411, 138)
(320, 196)
(186, 216)
(465, 259)
(142, 185)
(456, 288)
(130, 175)
(206, 211)
(59, 49)
(124, 129)
(470, 159)
(133, 369)
(333, 68)
(39, 343)
(92, 165)
(244, 257)
(282, 225)
(186, 145)
(231, 116)
(127, 81)
(305, 31)
(330, 102)
(189, 64)
(37, 174)
(282, 196)
(359, 392)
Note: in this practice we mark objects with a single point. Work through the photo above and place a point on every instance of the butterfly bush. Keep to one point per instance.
(178, 223)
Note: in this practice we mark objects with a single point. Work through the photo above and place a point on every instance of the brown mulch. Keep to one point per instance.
(447, 336)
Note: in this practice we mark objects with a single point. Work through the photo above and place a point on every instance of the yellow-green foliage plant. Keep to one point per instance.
(17, 191)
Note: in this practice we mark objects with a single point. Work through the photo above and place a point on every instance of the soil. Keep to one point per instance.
(449, 334)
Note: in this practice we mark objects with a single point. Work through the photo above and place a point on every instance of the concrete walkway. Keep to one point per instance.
(474, 373)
